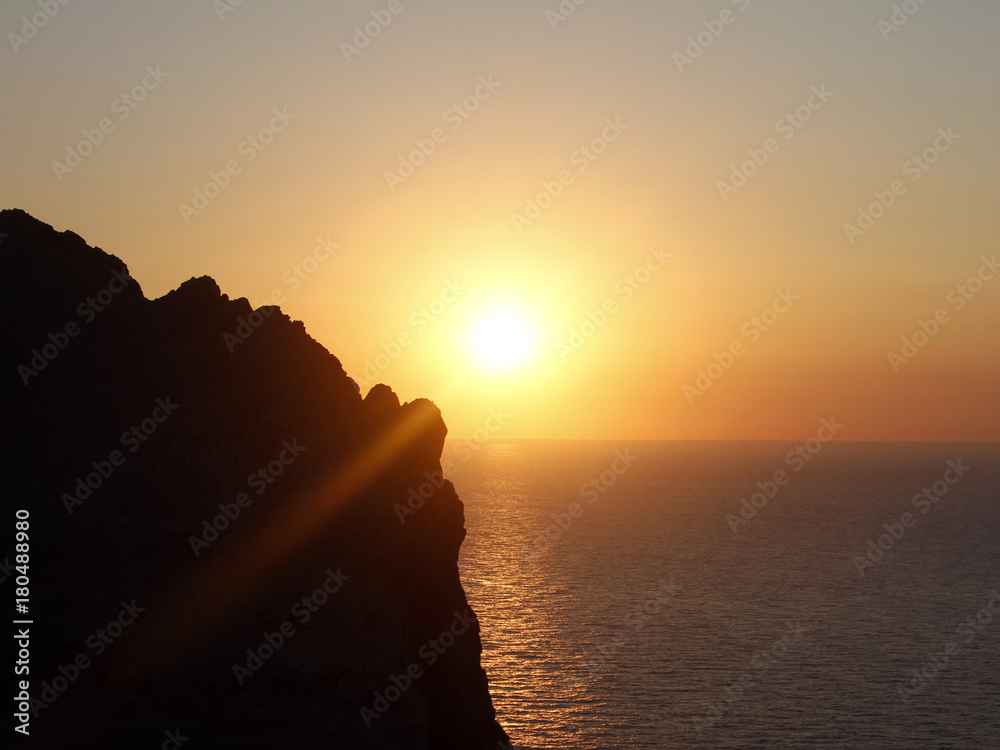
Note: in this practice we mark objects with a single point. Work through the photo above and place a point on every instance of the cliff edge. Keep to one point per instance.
(214, 551)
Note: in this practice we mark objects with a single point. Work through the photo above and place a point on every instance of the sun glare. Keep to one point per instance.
(504, 339)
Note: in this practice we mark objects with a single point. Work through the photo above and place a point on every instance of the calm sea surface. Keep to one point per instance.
(629, 613)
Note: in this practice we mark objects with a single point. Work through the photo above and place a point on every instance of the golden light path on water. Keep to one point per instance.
(700, 637)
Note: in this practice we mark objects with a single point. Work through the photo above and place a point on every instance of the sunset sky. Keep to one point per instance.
(498, 169)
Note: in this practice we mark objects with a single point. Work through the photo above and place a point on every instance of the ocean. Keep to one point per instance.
(736, 595)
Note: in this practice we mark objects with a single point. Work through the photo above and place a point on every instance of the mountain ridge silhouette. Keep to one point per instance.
(178, 431)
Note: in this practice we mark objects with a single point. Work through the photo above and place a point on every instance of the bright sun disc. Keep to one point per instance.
(504, 339)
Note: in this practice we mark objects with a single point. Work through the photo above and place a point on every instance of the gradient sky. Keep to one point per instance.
(656, 185)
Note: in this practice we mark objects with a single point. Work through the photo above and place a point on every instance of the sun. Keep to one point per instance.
(504, 339)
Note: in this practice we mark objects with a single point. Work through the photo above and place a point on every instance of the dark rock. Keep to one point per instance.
(201, 410)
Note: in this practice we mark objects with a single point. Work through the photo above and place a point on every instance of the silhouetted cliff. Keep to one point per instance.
(214, 552)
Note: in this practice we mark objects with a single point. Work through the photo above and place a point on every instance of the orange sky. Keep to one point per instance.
(688, 165)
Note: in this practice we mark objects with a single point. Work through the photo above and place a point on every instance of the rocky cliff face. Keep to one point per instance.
(215, 553)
